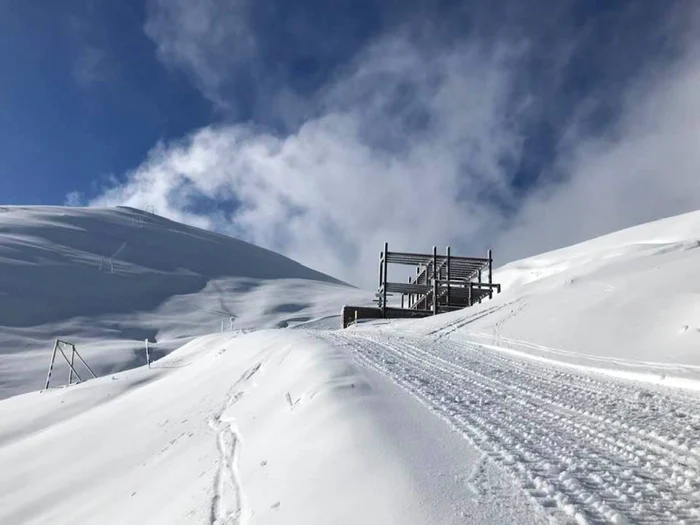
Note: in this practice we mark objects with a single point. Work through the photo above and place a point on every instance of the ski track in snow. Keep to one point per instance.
(587, 448)
(227, 505)
(445, 331)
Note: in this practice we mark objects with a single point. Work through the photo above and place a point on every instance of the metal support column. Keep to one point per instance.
(479, 278)
(53, 358)
(448, 276)
(435, 281)
(80, 379)
(385, 266)
(72, 362)
(490, 274)
(84, 363)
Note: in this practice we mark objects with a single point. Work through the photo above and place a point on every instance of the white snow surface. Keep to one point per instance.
(107, 279)
(572, 397)
(269, 427)
(626, 304)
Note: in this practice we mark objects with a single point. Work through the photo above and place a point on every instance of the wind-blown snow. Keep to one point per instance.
(107, 279)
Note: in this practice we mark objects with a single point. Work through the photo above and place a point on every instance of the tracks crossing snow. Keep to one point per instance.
(227, 504)
(590, 449)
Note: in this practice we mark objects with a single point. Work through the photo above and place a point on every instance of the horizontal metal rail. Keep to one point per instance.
(457, 284)
(464, 273)
(408, 288)
(416, 259)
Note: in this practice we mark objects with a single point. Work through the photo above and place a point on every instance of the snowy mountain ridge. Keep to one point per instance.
(107, 279)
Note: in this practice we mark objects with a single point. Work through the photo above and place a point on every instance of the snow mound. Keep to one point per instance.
(107, 279)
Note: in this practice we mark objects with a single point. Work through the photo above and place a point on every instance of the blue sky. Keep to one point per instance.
(83, 96)
(322, 129)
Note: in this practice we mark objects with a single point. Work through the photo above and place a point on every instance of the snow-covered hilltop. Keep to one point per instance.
(107, 279)
(572, 397)
(630, 299)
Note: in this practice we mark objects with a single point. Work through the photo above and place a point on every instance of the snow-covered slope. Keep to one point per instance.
(625, 301)
(107, 279)
(485, 415)
(273, 427)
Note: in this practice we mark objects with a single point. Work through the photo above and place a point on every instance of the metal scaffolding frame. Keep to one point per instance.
(58, 347)
(442, 283)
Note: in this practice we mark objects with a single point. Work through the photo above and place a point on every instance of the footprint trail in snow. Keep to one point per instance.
(227, 505)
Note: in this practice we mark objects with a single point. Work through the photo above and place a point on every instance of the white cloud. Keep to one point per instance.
(646, 168)
(74, 198)
(412, 145)
(211, 40)
(330, 194)
(93, 63)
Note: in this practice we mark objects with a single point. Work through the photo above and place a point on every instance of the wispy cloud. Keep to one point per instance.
(93, 64)
(360, 173)
(90, 67)
(415, 143)
(647, 166)
(74, 198)
(211, 40)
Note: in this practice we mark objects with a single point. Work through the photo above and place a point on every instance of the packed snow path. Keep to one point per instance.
(590, 449)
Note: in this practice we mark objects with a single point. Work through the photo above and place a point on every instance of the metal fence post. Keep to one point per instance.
(53, 358)
(67, 361)
(72, 360)
(83, 361)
